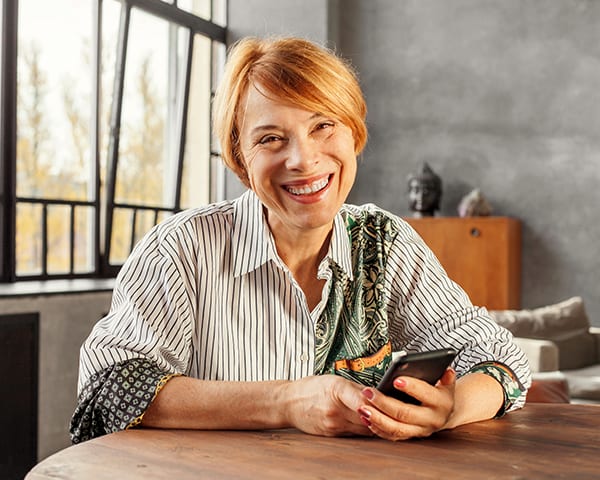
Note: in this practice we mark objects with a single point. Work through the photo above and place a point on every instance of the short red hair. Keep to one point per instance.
(295, 70)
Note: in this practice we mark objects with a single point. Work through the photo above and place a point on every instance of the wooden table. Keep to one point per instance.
(539, 441)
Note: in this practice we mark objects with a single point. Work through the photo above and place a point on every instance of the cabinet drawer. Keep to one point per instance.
(482, 254)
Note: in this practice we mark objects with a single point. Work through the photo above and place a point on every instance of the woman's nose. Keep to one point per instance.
(302, 154)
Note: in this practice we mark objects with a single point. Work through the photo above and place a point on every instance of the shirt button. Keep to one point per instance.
(304, 357)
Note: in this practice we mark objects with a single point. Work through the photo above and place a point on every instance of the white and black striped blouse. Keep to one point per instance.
(205, 294)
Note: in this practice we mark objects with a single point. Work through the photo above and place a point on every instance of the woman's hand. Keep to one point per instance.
(325, 405)
(395, 420)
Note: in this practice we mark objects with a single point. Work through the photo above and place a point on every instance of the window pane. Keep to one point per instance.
(197, 7)
(121, 235)
(214, 10)
(163, 215)
(84, 246)
(144, 221)
(219, 14)
(218, 63)
(54, 99)
(217, 177)
(195, 184)
(111, 10)
(29, 239)
(54, 156)
(152, 91)
(59, 239)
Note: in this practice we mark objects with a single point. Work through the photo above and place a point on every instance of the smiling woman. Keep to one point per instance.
(282, 308)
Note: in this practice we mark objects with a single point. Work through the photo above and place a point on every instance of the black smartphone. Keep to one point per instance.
(428, 366)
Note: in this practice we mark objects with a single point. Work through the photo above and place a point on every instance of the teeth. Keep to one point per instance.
(308, 189)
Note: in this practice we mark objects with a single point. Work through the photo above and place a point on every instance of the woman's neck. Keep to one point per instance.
(302, 252)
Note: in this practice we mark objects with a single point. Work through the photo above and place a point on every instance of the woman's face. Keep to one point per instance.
(301, 164)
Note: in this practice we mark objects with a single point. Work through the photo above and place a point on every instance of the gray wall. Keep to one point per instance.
(501, 95)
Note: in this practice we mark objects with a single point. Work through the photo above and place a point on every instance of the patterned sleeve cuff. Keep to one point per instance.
(513, 389)
(161, 383)
(116, 398)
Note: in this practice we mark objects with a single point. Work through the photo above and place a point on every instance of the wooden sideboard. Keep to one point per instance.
(481, 254)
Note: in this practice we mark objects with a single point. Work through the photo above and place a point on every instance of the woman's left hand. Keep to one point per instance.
(395, 420)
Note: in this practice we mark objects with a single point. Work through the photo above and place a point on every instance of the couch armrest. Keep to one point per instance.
(542, 354)
(595, 331)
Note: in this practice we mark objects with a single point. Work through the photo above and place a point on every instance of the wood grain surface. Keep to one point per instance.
(539, 441)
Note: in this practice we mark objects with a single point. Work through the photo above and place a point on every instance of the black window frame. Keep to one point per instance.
(9, 200)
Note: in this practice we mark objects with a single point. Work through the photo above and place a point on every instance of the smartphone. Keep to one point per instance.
(428, 366)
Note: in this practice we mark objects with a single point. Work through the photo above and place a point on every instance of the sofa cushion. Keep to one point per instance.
(577, 352)
(562, 320)
(565, 323)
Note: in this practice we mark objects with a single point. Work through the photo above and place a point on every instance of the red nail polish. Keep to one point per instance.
(366, 422)
(400, 383)
(368, 393)
(364, 413)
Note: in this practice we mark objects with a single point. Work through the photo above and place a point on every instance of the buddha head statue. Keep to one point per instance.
(424, 192)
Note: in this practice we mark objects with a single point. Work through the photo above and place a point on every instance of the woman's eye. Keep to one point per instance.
(268, 139)
(324, 125)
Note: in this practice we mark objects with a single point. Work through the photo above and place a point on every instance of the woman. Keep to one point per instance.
(281, 308)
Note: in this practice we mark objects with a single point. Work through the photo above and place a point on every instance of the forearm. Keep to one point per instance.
(198, 404)
(476, 397)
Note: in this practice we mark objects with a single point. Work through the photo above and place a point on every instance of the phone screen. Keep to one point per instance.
(427, 366)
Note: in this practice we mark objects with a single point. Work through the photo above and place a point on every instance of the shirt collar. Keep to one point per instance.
(253, 244)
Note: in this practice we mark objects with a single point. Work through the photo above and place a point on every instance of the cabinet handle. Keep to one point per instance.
(475, 232)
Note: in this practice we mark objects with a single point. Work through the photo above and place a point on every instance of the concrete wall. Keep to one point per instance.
(65, 322)
(501, 95)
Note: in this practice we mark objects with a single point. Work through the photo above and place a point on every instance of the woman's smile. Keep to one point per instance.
(308, 189)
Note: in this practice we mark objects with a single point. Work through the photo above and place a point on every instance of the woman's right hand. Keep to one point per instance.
(324, 405)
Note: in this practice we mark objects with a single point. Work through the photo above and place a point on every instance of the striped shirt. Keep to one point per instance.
(205, 294)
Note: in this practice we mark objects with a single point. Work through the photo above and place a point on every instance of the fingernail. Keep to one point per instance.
(364, 413)
(400, 383)
(368, 393)
(365, 416)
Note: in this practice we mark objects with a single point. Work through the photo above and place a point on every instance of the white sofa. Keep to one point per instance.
(561, 346)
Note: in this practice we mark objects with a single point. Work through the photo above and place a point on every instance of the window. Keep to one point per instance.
(98, 97)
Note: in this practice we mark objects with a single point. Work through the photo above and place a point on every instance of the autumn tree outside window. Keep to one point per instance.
(105, 127)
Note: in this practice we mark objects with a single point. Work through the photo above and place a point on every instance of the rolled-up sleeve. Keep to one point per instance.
(116, 398)
(428, 311)
(144, 340)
